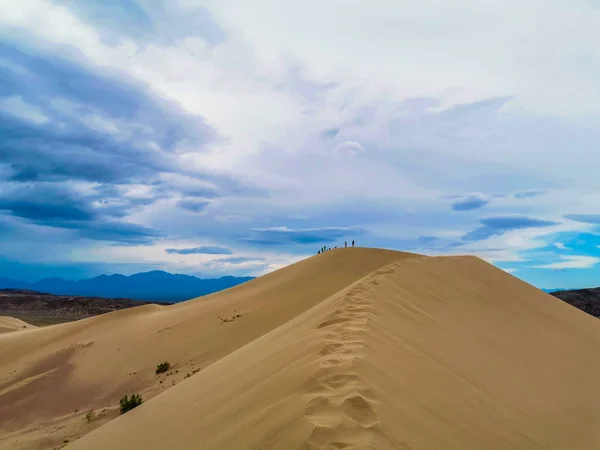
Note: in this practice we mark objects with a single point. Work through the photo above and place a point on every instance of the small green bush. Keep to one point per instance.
(162, 367)
(128, 403)
(90, 415)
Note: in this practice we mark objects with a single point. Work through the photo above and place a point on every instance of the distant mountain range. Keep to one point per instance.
(156, 285)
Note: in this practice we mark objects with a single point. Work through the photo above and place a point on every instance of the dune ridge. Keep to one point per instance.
(353, 349)
(129, 343)
(8, 323)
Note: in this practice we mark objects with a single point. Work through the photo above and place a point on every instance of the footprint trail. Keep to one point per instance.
(341, 405)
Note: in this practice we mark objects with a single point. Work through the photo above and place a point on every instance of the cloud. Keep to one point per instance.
(86, 154)
(477, 109)
(560, 245)
(149, 22)
(122, 232)
(200, 251)
(90, 212)
(15, 106)
(144, 134)
(349, 148)
(427, 240)
(284, 235)
(585, 218)
(501, 224)
(330, 133)
(43, 203)
(572, 262)
(193, 205)
(529, 193)
(469, 203)
(297, 82)
(241, 259)
(50, 203)
(159, 117)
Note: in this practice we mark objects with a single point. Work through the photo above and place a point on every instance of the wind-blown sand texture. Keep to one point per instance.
(352, 349)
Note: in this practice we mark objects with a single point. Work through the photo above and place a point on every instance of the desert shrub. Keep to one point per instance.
(162, 367)
(128, 403)
(90, 415)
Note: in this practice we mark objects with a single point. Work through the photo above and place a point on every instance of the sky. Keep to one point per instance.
(227, 137)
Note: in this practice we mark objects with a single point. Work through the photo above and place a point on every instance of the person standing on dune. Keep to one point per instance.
(345, 244)
(352, 242)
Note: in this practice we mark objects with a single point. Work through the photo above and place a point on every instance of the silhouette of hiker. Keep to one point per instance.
(352, 242)
(319, 252)
(345, 244)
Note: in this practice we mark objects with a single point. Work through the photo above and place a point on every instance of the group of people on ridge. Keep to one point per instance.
(326, 249)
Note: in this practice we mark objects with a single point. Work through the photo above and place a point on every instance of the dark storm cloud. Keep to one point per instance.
(66, 123)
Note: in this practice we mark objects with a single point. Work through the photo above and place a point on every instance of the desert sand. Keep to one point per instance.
(354, 349)
(12, 324)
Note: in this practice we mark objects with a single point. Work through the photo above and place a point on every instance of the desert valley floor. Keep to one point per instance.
(352, 349)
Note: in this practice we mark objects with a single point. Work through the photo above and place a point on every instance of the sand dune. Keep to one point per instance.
(12, 324)
(352, 349)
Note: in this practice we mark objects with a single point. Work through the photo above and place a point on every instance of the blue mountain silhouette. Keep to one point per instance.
(155, 285)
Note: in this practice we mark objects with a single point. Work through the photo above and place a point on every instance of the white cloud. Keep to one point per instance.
(463, 49)
(560, 246)
(572, 262)
(349, 148)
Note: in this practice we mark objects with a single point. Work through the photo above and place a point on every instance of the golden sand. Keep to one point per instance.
(352, 349)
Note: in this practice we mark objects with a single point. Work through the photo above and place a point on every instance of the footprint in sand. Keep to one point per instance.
(335, 321)
(340, 437)
(343, 411)
(339, 349)
(360, 410)
(339, 380)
